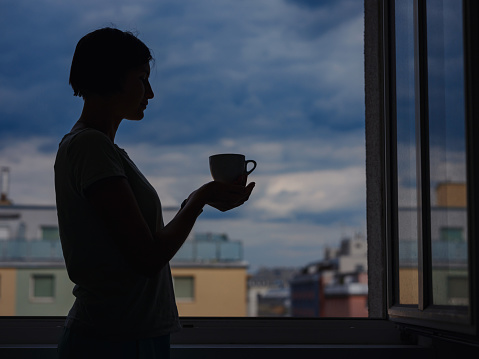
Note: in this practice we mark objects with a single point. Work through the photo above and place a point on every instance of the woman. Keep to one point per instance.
(115, 244)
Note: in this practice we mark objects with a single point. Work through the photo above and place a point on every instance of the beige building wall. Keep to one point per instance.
(218, 291)
(451, 195)
(8, 284)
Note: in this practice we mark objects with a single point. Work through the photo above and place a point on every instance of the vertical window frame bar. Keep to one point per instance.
(377, 199)
(422, 156)
(471, 83)
(391, 195)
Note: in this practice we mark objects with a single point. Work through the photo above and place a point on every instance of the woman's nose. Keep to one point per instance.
(149, 92)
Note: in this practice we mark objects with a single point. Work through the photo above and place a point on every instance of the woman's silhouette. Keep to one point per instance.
(115, 244)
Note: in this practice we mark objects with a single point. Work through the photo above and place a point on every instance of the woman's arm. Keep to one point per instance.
(115, 203)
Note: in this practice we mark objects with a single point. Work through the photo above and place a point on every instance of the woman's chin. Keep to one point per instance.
(137, 117)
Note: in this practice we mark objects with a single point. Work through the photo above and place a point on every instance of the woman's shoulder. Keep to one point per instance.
(89, 134)
(88, 137)
(87, 142)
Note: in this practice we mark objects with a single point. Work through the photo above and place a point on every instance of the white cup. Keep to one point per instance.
(230, 167)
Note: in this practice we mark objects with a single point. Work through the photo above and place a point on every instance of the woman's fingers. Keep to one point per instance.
(227, 196)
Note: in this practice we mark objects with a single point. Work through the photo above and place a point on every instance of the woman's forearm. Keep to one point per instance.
(170, 238)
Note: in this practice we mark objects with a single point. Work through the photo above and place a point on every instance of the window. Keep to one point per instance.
(269, 79)
(50, 233)
(454, 234)
(42, 288)
(4, 233)
(430, 154)
(184, 288)
(380, 229)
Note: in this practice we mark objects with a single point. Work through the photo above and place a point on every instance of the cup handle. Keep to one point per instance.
(246, 166)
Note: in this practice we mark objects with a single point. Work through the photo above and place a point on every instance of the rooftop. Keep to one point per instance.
(193, 252)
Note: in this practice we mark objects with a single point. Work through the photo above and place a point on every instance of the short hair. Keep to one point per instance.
(102, 59)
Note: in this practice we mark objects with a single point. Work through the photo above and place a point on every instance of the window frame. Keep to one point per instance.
(451, 321)
(376, 329)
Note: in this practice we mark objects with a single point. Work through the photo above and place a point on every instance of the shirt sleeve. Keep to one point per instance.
(93, 157)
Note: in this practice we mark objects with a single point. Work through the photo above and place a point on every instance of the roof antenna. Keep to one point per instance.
(5, 177)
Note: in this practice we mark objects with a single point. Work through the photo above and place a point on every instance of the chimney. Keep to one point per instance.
(5, 177)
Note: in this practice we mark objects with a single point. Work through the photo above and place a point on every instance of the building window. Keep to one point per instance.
(50, 233)
(184, 288)
(453, 234)
(42, 288)
(4, 233)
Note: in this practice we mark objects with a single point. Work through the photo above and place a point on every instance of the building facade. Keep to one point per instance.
(337, 286)
(209, 273)
(269, 293)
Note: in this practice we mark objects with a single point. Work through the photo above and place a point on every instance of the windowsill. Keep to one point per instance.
(243, 346)
(232, 331)
(259, 351)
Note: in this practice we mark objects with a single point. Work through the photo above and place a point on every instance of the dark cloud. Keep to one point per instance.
(198, 56)
(310, 4)
(319, 17)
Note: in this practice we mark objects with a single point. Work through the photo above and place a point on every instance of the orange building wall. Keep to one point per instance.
(218, 292)
(8, 285)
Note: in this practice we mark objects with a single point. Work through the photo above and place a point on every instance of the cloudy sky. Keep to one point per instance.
(447, 154)
(278, 80)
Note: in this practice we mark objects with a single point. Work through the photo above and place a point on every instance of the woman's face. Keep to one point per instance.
(133, 100)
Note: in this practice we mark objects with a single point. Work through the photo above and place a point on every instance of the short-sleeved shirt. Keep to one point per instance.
(113, 300)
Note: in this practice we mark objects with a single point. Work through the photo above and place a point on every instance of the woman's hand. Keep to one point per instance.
(223, 196)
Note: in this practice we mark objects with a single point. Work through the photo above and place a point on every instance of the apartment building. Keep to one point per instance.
(209, 272)
(336, 286)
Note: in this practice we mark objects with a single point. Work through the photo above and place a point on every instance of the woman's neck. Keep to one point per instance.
(98, 113)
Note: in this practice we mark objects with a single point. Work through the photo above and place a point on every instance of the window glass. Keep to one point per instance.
(281, 81)
(50, 233)
(184, 288)
(4, 233)
(406, 154)
(43, 286)
(447, 153)
(452, 235)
